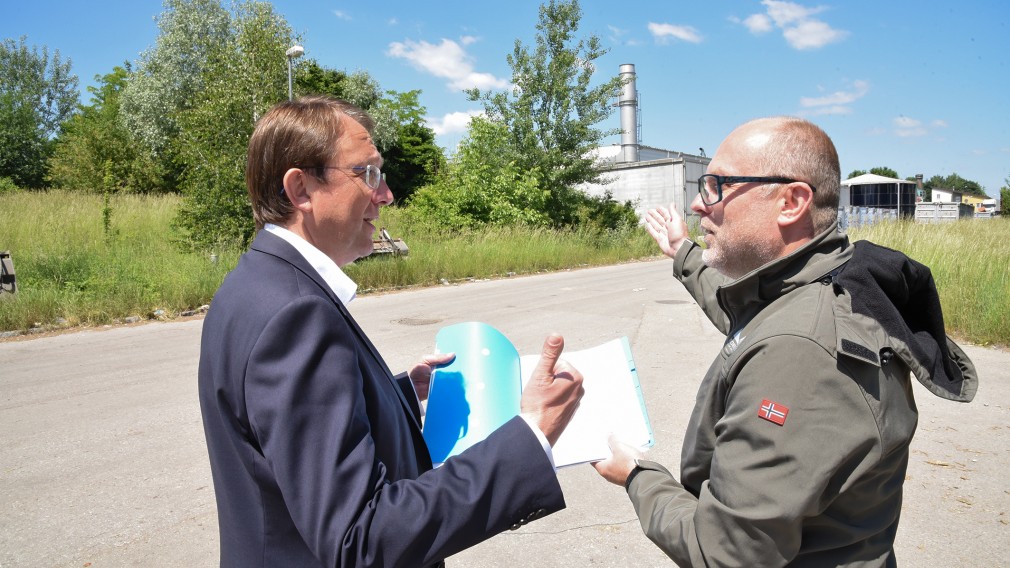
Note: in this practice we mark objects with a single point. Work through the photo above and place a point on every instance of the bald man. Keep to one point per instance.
(797, 447)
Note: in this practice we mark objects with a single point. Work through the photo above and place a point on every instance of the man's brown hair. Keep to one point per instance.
(300, 133)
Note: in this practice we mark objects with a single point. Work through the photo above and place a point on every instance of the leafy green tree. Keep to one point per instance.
(956, 183)
(880, 171)
(551, 112)
(884, 171)
(242, 78)
(97, 152)
(481, 187)
(411, 156)
(37, 94)
(311, 78)
(1004, 196)
(169, 77)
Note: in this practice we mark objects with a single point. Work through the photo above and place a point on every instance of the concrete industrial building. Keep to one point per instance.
(647, 176)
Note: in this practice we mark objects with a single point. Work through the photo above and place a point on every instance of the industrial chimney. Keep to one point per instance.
(629, 114)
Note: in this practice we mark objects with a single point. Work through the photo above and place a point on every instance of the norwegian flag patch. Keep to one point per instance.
(773, 412)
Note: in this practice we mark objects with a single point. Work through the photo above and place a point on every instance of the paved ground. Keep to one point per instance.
(103, 463)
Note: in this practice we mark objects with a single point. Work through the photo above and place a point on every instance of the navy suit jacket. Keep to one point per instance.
(316, 452)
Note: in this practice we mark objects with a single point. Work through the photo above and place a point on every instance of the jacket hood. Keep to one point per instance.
(899, 294)
(886, 305)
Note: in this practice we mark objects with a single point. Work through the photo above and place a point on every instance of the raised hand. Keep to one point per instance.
(667, 228)
(553, 391)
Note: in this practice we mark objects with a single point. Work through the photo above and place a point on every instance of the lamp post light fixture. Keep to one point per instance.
(293, 52)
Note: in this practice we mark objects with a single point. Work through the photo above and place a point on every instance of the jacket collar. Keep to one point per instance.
(744, 297)
(273, 245)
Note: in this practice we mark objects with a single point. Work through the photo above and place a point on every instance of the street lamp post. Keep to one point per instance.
(293, 52)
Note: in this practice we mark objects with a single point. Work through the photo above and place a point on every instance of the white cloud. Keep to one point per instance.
(452, 122)
(906, 127)
(812, 34)
(341, 15)
(662, 33)
(940, 123)
(833, 109)
(758, 24)
(392, 22)
(859, 90)
(836, 102)
(447, 60)
(788, 13)
(799, 28)
(1005, 150)
(980, 152)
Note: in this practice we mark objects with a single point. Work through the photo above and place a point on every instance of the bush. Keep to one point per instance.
(7, 185)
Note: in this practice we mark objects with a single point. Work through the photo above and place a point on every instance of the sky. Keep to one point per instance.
(919, 87)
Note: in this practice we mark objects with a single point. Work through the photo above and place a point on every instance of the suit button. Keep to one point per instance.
(515, 526)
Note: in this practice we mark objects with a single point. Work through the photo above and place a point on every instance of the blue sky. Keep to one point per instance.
(920, 87)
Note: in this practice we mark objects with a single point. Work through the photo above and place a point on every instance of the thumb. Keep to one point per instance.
(553, 346)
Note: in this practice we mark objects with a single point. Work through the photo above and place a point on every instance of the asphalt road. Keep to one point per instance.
(103, 462)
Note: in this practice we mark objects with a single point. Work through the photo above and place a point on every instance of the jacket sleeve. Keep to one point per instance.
(307, 410)
(765, 479)
(701, 282)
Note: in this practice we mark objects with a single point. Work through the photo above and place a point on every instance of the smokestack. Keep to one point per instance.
(918, 181)
(629, 114)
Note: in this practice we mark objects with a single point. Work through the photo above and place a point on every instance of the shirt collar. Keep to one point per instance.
(341, 285)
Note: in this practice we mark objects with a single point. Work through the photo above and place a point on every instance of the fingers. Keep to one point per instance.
(438, 359)
(553, 346)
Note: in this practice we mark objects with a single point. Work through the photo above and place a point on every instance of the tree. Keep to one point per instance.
(96, 152)
(551, 112)
(884, 171)
(407, 144)
(481, 187)
(956, 183)
(879, 170)
(170, 76)
(242, 78)
(411, 157)
(37, 94)
(1004, 196)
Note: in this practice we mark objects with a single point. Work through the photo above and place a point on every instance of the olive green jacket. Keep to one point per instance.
(797, 447)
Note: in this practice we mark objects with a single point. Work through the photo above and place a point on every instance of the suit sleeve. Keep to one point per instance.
(305, 397)
(765, 479)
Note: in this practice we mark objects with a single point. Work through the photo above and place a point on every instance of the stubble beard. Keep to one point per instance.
(735, 259)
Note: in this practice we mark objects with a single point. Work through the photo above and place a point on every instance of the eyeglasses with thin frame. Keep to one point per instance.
(710, 185)
(372, 175)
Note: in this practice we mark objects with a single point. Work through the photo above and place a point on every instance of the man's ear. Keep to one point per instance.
(796, 202)
(297, 190)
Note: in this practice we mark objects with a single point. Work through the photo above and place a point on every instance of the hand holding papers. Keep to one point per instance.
(480, 390)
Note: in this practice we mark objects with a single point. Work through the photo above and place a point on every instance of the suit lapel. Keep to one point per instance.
(273, 245)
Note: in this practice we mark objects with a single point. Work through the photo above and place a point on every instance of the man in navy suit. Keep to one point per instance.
(315, 447)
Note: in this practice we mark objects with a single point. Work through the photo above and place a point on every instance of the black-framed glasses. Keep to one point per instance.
(710, 185)
(372, 175)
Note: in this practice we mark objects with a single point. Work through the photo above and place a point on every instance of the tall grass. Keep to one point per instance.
(498, 251)
(970, 262)
(72, 271)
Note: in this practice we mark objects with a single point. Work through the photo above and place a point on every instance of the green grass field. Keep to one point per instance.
(72, 272)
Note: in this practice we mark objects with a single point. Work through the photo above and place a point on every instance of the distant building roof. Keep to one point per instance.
(868, 179)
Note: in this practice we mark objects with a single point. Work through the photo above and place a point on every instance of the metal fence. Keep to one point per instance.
(856, 216)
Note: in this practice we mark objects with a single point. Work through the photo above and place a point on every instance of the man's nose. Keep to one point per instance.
(382, 195)
(698, 206)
